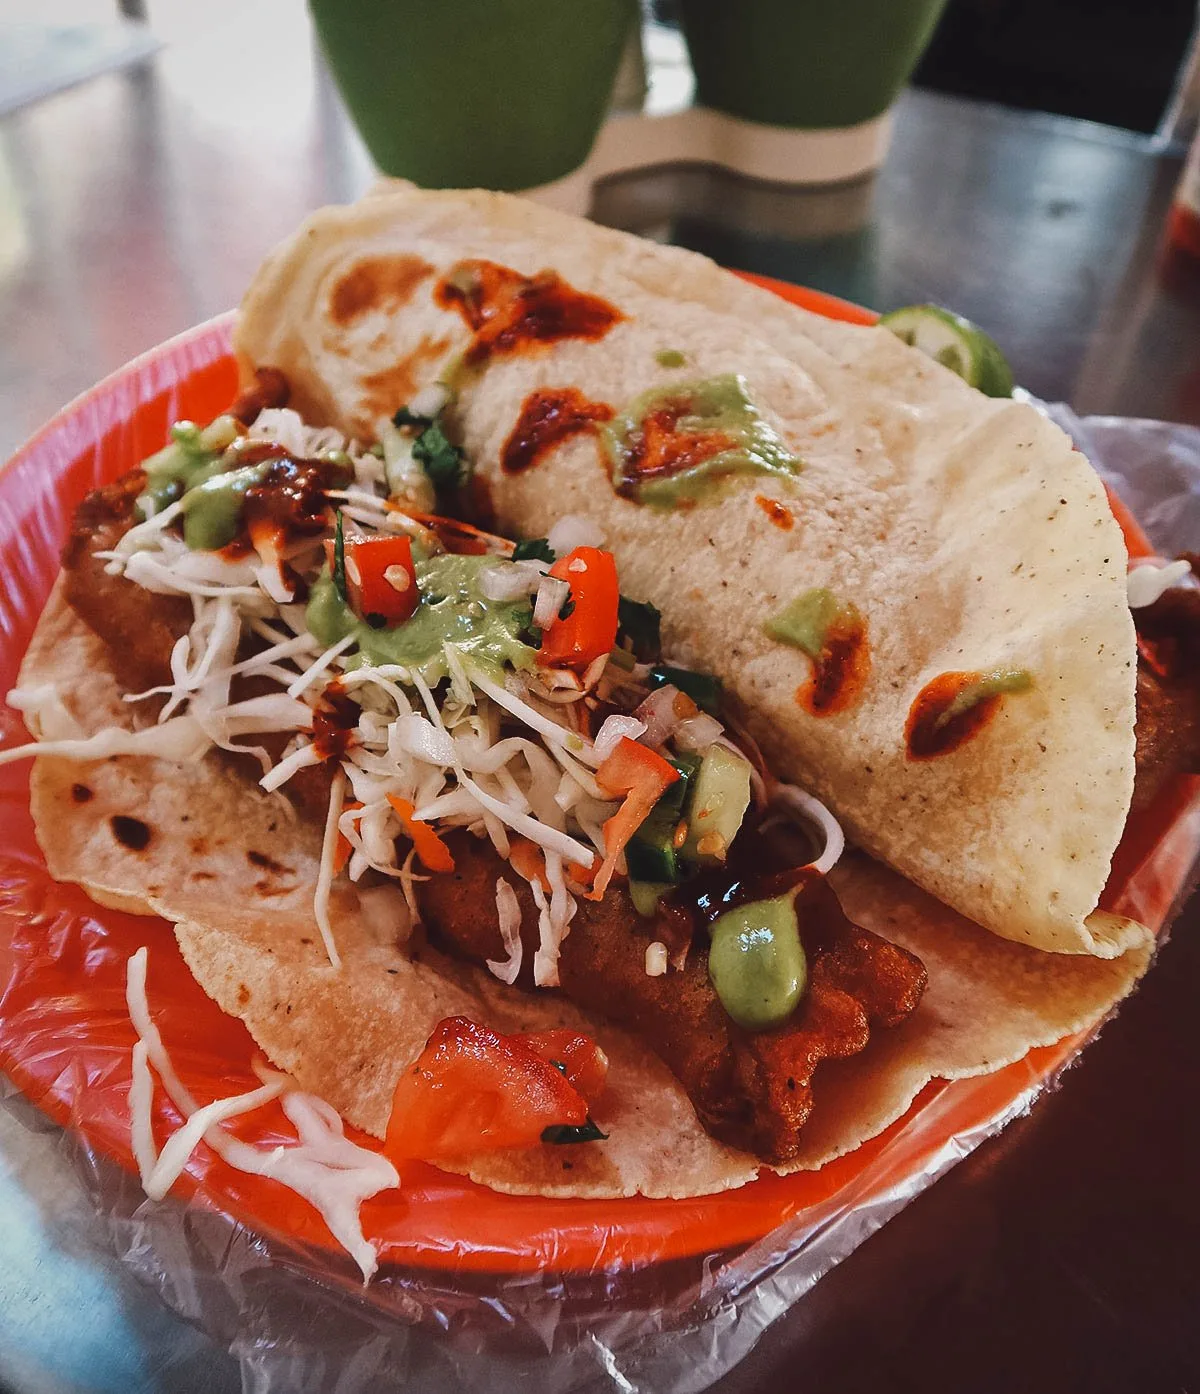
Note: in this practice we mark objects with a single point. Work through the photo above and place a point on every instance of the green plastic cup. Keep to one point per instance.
(811, 64)
(502, 94)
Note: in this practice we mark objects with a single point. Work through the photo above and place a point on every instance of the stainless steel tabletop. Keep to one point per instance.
(140, 203)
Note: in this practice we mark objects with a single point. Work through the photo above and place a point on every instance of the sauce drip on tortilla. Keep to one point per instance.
(269, 389)
(953, 707)
(674, 446)
(833, 634)
(510, 313)
(548, 417)
(778, 514)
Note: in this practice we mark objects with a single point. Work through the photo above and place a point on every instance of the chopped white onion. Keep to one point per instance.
(615, 728)
(656, 959)
(698, 732)
(574, 531)
(511, 580)
(551, 597)
(658, 712)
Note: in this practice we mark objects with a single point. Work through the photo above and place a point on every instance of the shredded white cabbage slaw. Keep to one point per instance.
(504, 756)
(332, 1173)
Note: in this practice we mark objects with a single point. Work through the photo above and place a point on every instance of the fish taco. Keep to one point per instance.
(604, 730)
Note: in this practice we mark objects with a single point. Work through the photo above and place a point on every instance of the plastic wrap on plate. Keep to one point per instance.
(475, 1289)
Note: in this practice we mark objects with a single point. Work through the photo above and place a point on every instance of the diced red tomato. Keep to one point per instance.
(381, 579)
(591, 627)
(433, 852)
(642, 776)
(474, 1090)
(585, 1064)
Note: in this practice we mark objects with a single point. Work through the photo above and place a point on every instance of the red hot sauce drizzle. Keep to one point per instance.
(334, 720)
(511, 313)
(778, 514)
(935, 727)
(548, 417)
(841, 668)
(289, 503)
(658, 449)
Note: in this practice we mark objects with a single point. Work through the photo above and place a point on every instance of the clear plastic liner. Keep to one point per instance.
(643, 1313)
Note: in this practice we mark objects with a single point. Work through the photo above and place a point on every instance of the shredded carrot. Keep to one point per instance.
(460, 537)
(642, 776)
(341, 853)
(433, 852)
(529, 861)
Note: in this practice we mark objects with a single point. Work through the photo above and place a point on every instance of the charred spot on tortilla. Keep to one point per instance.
(548, 417)
(510, 313)
(782, 517)
(130, 832)
(833, 634)
(673, 446)
(402, 379)
(376, 283)
(954, 707)
(260, 859)
(81, 793)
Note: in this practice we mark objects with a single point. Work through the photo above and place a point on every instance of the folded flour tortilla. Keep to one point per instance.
(966, 530)
(235, 869)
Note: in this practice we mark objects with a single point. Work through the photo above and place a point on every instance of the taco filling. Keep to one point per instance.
(492, 727)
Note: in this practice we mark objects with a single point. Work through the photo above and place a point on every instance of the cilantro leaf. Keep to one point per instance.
(642, 625)
(404, 417)
(442, 461)
(534, 549)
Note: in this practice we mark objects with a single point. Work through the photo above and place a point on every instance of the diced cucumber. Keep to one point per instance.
(676, 796)
(720, 796)
(652, 858)
(646, 895)
(650, 854)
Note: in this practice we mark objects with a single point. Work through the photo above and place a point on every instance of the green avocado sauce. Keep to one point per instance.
(212, 511)
(453, 610)
(677, 445)
(192, 457)
(996, 683)
(805, 622)
(756, 962)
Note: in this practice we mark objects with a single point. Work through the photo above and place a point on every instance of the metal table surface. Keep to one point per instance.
(1062, 1254)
